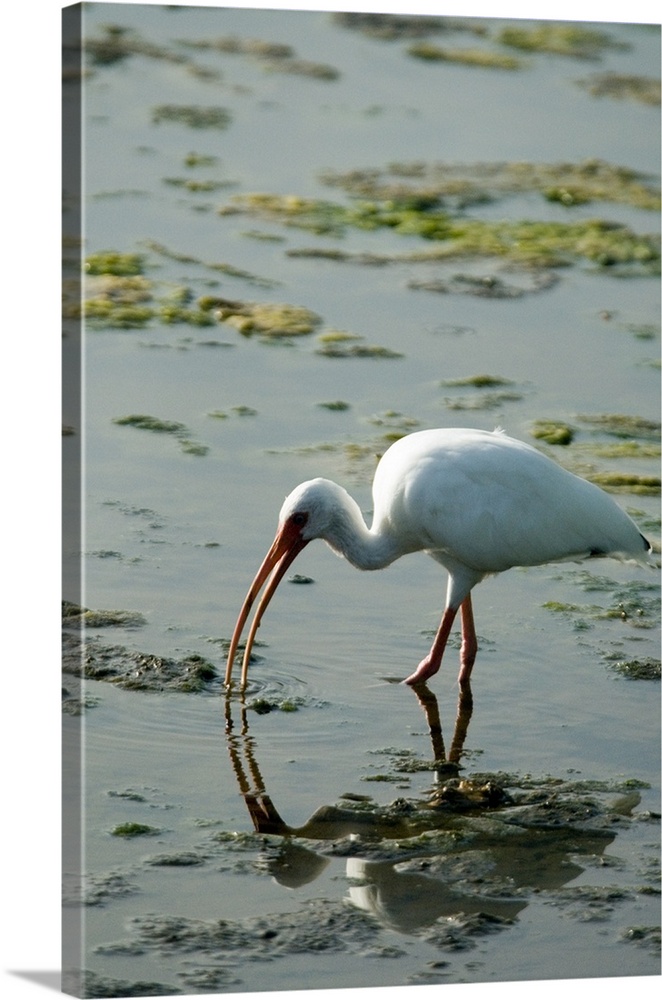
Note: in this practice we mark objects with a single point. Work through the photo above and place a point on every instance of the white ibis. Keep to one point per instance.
(478, 502)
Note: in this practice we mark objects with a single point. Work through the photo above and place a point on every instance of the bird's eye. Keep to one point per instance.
(299, 519)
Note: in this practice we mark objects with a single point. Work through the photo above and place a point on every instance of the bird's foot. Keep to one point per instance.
(427, 668)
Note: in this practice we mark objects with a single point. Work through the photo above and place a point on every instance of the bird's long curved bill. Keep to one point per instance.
(286, 547)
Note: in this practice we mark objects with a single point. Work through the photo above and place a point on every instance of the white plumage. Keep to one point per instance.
(478, 502)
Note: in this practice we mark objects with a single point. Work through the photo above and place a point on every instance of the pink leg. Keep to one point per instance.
(429, 666)
(469, 646)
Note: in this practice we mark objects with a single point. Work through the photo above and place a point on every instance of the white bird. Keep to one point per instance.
(478, 502)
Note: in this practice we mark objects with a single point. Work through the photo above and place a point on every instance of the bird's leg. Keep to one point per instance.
(432, 661)
(469, 646)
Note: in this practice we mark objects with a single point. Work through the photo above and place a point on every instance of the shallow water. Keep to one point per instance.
(177, 537)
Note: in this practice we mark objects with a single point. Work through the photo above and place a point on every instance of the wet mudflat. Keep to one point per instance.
(297, 253)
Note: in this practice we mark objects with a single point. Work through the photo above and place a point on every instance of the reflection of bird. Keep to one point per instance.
(478, 502)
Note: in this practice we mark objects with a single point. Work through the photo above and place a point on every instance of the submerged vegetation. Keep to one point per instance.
(627, 482)
(560, 39)
(426, 185)
(541, 244)
(633, 606)
(466, 57)
(394, 27)
(497, 45)
(264, 318)
(552, 432)
(115, 44)
(192, 115)
(135, 830)
(274, 57)
(429, 202)
(120, 265)
(623, 86)
(178, 430)
(623, 425)
(120, 295)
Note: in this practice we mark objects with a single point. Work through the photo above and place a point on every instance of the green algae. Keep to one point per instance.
(304, 67)
(197, 186)
(234, 45)
(622, 86)
(625, 449)
(394, 420)
(121, 297)
(639, 669)
(130, 795)
(648, 936)
(566, 195)
(560, 39)
(113, 262)
(103, 314)
(118, 290)
(79, 617)
(259, 234)
(531, 243)
(171, 313)
(337, 337)
(489, 286)
(274, 57)
(337, 405)
(267, 319)
(361, 456)
(482, 401)
(465, 184)
(478, 381)
(180, 859)
(552, 432)
(466, 57)
(116, 43)
(393, 27)
(148, 423)
(244, 411)
(237, 272)
(135, 830)
(320, 217)
(262, 706)
(340, 349)
(624, 425)
(619, 482)
(200, 160)
(193, 447)
(176, 308)
(556, 244)
(643, 331)
(97, 890)
(192, 115)
(221, 267)
(636, 605)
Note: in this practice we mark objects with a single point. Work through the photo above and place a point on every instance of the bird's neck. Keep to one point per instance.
(363, 547)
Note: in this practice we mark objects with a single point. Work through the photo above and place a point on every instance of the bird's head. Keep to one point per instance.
(314, 509)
